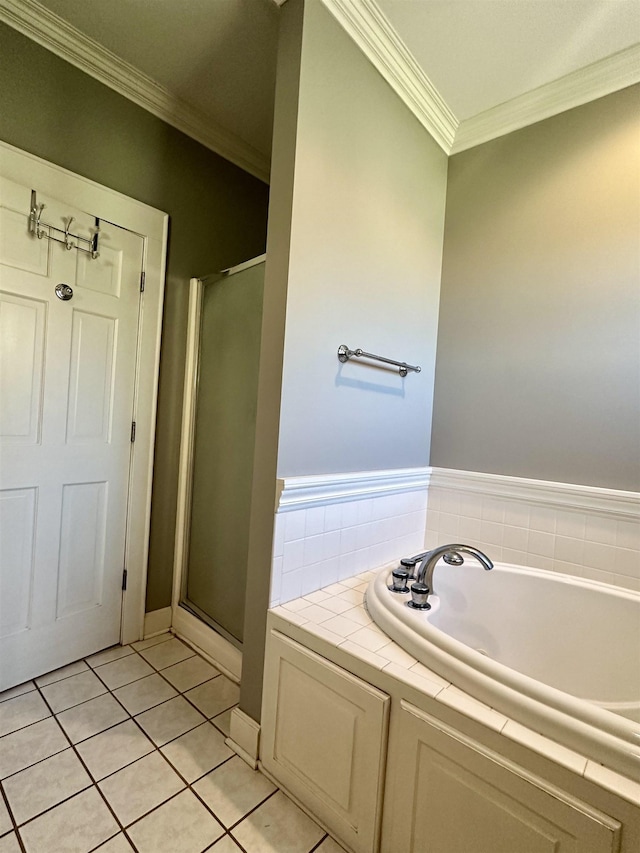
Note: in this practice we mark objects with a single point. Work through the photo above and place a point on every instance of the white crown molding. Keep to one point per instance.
(305, 492)
(371, 31)
(373, 34)
(612, 502)
(601, 78)
(48, 29)
(368, 27)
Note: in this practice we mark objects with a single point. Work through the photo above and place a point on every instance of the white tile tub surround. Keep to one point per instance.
(330, 528)
(578, 530)
(355, 633)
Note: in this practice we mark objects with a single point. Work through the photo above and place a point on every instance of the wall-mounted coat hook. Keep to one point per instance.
(45, 230)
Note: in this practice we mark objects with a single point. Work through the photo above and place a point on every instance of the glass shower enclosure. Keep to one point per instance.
(226, 353)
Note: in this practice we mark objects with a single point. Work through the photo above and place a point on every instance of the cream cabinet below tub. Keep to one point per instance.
(324, 739)
(447, 793)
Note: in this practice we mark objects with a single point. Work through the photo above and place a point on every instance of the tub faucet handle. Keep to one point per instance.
(400, 578)
(419, 596)
(410, 563)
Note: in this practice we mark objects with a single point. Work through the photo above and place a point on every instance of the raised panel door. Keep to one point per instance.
(67, 379)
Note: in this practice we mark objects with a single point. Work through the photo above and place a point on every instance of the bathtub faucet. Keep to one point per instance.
(423, 586)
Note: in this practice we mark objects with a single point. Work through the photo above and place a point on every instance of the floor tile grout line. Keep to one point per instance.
(320, 843)
(62, 711)
(184, 693)
(158, 749)
(29, 820)
(112, 690)
(160, 673)
(241, 847)
(96, 849)
(64, 677)
(155, 747)
(35, 722)
(5, 800)
(187, 784)
(255, 808)
(29, 766)
(18, 695)
(79, 757)
(35, 763)
(95, 734)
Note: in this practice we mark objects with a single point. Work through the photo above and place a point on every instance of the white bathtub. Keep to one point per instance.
(556, 653)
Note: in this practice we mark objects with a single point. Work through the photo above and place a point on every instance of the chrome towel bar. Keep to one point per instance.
(344, 354)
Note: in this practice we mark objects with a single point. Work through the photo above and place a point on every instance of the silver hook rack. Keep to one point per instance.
(42, 230)
(344, 354)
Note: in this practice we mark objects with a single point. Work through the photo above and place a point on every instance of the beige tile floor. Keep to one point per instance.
(124, 751)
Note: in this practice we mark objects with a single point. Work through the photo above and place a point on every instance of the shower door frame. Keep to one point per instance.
(213, 645)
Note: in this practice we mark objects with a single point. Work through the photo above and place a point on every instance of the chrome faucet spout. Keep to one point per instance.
(451, 554)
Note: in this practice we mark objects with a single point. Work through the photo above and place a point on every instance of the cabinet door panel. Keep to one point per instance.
(324, 740)
(451, 794)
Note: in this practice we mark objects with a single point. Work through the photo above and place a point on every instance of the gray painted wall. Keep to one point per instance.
(539, 339)
(353, 256)
(218, 218)
(364, 266)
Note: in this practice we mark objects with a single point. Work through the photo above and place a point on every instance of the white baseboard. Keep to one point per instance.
(208, 643)
(157, 622)
(244, 737)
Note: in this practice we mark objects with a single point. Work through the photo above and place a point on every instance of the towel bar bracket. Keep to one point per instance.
(344, 354)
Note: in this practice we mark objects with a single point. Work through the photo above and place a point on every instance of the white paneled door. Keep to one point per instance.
(67, 381)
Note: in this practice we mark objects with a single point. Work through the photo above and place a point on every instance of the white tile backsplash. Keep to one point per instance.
(576, 540)
(564, 531)
(318, 546)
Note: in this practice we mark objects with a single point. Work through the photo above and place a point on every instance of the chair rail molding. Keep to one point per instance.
(295, 493)
(613, 502)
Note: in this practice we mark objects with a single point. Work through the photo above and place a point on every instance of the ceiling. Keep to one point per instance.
(219, 56)
(481, 53)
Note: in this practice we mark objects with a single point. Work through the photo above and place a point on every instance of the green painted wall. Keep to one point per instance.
(218, 217)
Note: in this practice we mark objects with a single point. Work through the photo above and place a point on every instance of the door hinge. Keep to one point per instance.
(133, 431)
(124, 579)
(143, 276)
